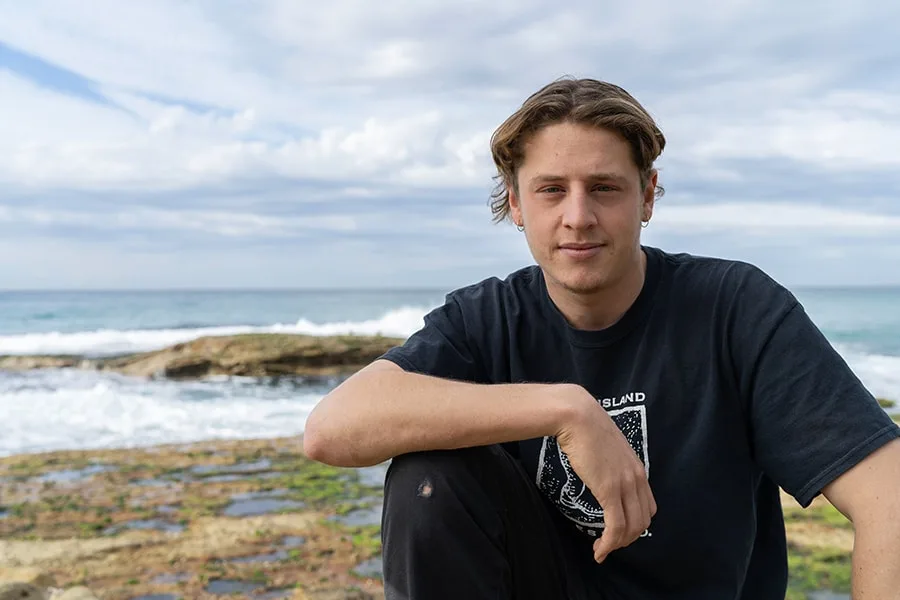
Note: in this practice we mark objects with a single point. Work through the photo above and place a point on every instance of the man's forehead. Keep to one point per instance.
(592, 176)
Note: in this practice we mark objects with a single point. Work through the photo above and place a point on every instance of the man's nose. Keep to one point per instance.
(578, 209)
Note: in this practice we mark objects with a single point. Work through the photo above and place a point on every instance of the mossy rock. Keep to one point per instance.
(811, 569)
(824, 513)
(248, 355)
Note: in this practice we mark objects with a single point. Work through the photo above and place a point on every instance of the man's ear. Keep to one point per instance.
(515, 206)
(649, 196)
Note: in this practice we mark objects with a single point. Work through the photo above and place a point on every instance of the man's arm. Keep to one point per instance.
(869, 495)
(383, 411)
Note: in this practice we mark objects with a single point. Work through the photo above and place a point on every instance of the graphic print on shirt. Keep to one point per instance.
(558, 481)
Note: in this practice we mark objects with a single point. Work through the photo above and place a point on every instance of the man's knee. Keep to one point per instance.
(419, 473)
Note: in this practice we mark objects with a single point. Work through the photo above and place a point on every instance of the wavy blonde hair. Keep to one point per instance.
(584, 101)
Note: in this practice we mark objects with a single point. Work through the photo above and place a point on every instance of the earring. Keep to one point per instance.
(645, 223)
(520, 227)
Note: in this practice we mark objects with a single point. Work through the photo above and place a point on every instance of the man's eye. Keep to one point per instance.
(553, 189)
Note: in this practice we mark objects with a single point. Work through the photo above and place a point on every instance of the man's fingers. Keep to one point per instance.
(648, 504)
(613, 531)
(637, 510)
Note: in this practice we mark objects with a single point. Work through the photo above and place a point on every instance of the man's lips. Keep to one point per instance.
(580, 250)
(580, 246)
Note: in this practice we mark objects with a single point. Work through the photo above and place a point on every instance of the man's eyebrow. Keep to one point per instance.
(548, 178)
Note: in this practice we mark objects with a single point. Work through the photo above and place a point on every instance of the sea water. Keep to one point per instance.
(67, 408)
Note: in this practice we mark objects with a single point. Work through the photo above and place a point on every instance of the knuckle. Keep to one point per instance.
(608, 490)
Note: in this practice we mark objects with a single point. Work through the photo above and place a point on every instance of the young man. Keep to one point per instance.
(614, 422)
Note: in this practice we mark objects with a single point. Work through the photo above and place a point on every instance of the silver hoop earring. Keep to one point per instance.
(520, 227)
(644, 224)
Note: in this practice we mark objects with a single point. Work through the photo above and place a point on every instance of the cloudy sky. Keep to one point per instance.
(286, 143)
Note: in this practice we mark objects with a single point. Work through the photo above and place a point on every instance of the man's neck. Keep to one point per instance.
(604, 308)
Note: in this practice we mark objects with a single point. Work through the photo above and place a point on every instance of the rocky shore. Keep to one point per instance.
(248, 355)
(249, 518)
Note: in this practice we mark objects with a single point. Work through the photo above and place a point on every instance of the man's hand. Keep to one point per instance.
(609, 467)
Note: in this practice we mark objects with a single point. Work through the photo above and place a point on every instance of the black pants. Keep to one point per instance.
(469, 524)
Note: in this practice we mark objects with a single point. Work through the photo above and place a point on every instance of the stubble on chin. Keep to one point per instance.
(581, 280)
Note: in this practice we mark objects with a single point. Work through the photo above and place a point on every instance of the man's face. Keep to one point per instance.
(581, 202)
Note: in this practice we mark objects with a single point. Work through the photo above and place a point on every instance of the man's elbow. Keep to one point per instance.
(321, 442)
(331, 431)
(314, 440)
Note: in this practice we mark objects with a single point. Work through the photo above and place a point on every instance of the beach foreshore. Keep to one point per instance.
(253, 518)
(256, 517)
(200, 520)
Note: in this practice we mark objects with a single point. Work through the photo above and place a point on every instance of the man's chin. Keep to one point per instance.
(581, 283)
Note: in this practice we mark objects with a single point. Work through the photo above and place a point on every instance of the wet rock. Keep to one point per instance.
(21, 591)
(189, 367)
(262, 506)
(260, 558)
(255, 355)
(25, 363)
(351, 594)
(76, 593)
(247, 355)
(152, 524)
(171, 578)
(232, 586)
(293, 541)
(35, 577)
(282, 594)
(360, 517)
(374, 567)
(73, 475)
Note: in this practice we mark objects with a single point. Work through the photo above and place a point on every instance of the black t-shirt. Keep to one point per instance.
(720, 381)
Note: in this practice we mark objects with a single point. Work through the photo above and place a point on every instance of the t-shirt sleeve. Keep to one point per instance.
(810, 417)
(441, 348)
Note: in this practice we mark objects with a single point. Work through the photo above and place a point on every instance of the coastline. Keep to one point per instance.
(242, 355)
(251, 516)
(193, 521)
(185, 520)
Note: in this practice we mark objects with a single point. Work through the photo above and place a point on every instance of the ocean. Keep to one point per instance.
(71, 409)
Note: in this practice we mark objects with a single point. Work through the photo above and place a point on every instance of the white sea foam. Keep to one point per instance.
(61, 409)
(400, 322)
(879, 372)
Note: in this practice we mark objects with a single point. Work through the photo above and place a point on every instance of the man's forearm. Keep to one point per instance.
(876, 560)
(381, 413)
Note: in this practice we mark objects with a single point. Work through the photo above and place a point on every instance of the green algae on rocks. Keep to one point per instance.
(159, 517)
(818, 569)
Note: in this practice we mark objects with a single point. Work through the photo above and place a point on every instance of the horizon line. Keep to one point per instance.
(443, 289)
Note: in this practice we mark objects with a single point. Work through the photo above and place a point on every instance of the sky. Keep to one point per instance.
(283, 144)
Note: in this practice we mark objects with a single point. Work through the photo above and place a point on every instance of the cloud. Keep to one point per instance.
(219, 127)
(229, 224)
(774, 218)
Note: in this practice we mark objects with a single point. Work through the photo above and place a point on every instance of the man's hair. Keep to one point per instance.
(583, 101)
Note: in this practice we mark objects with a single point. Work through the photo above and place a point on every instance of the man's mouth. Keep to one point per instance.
(581, 250)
